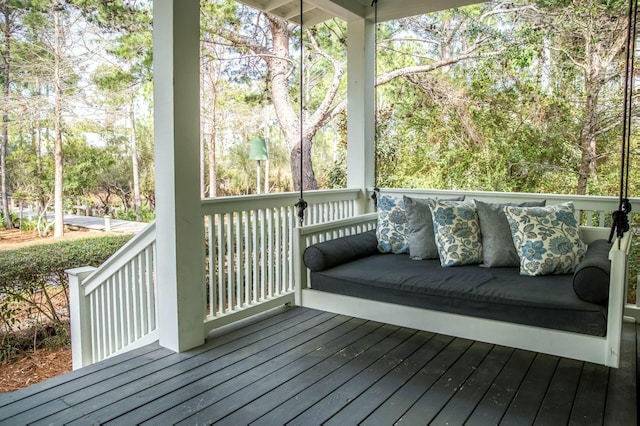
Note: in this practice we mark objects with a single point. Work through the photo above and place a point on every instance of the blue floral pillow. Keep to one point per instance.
(392, 228)
(547, 239)
(457, 231)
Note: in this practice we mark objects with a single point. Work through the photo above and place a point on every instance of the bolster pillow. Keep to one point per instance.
(325, 255)
(591, 276)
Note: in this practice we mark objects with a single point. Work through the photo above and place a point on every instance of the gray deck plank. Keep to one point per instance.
(558, 401)
(496, 401)
(588, 406)
(99, 394)
(33, 396)
(371, 369)
(619, 408)
(244, 383)
(463, 403)
(310, 367)
(401, 400)
(427, 407)
(525, 404)
(199, 385)
(355, 404)
(98, 367)
(278, 389)
(52, 399)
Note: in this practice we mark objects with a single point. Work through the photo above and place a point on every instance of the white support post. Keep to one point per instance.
(179, 222)
(80, 319)
(361, 109)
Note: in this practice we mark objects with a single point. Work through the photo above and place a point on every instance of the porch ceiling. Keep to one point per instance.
(316, 11)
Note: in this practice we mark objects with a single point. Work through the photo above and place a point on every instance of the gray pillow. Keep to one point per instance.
(497, 244)
(422, 240)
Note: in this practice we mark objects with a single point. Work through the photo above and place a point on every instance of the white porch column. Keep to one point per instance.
(179, 224)
(361, 108)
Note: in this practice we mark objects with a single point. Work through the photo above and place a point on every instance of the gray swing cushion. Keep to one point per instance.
(591, 277)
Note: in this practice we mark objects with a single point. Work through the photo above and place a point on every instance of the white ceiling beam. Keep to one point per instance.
(344, 9)
(349, 10)
(274, 4)
(396, 9)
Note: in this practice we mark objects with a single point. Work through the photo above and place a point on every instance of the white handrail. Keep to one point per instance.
(113, 308)
(250, 262)
(250, 259)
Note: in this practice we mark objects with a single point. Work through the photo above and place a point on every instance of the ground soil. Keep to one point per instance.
(30, 367)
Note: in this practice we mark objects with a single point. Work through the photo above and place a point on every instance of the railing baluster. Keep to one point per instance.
(94, 326)
(239, 270)
(138, 271)
(222, 301)
(247, 257)
(263, 251)
(229, 263)
(254, 255)
(102, 325)
(213, 273)
(113, 289)
(151, 284)
(269, 213)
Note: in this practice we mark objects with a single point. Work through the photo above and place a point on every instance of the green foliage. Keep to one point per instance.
(32, 269)
(147, 214)
(31, 278)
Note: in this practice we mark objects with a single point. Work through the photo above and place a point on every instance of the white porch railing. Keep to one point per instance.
(113, 308)
(250, 240)
(249, 270)
(250, 263)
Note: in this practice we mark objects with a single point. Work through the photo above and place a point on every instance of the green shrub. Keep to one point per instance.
(32, 277)
(130, 214)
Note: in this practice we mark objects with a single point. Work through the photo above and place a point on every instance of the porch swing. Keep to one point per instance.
(576, 313)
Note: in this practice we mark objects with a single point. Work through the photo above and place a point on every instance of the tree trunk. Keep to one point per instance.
(308, 176)
(203, 162)
(287, 117)
(58, 205)
(6, 56)
(213, 170)
(588, 142)
(134, 161)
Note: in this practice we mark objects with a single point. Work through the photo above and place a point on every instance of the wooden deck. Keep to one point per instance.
(301, 366)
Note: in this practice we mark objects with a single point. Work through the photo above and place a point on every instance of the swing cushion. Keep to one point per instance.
(422, 240)
(501, 294)
(326, 255)
(592, 276)
(547, 239)
(497, 244)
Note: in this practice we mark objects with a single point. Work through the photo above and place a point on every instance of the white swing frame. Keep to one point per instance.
(601, 350)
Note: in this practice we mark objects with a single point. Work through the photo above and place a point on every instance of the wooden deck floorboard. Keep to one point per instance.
(305, 367)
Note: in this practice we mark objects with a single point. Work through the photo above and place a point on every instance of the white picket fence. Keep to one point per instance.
(249, 262)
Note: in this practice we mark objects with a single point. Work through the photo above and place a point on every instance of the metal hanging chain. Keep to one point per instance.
(301, 205)
(620, 223)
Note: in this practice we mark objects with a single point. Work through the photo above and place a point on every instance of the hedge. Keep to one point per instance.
(40, 268)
